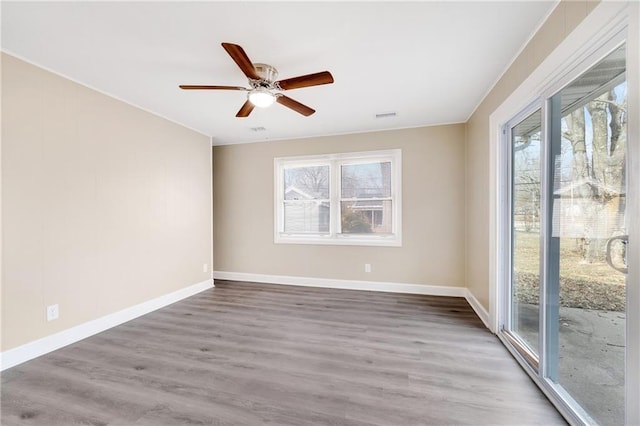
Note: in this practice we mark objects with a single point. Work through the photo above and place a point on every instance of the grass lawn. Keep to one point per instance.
(582, 285)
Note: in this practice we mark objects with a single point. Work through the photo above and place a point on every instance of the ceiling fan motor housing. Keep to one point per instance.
(266, 72)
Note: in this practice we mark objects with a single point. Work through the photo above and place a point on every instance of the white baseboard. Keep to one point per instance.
(478, 308)
(23, 353)
(432, 290)
(26, 352)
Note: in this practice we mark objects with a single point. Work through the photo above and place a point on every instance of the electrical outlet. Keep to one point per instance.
(53, 312)
(205, 267)
(367, 267)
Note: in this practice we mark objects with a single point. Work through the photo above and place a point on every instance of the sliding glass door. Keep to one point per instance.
(586, 240)
(565, 300)
(523, 324)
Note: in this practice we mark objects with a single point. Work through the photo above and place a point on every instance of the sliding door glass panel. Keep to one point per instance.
(525, 232)
(586, 256)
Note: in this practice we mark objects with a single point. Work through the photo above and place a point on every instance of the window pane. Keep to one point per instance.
(306, 217)
(306, 183)
(525, 231)
(366, 216)
(369, 180)
(587, 330)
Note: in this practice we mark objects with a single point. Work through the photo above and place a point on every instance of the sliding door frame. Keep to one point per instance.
(506, 325)
(632, 355)
(608, 26)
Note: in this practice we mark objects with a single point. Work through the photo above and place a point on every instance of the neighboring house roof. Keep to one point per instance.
(301, 194)
(367, 205)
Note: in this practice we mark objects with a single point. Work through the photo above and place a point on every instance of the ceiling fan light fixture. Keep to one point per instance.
(261, 98)
(264, 89)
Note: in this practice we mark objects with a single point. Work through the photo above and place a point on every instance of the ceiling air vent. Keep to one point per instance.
(386, 115)
(258, 129)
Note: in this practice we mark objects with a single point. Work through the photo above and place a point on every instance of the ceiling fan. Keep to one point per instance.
(264, 89)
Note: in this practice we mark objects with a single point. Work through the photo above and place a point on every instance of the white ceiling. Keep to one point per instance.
(430, 62)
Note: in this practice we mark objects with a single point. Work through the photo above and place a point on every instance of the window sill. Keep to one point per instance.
(391, 241)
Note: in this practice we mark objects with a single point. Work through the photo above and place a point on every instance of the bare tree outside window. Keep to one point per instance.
(595, 181)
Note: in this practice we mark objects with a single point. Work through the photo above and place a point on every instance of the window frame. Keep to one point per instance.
(335, 161)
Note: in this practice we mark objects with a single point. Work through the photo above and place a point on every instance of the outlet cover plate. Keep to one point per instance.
(53, 312)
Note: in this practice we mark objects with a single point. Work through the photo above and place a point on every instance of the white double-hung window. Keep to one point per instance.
(352, 199)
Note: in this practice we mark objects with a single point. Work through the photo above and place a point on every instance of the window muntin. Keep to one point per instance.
(349, 198)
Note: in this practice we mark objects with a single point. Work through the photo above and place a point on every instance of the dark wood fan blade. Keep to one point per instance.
(200, 87)
(295, 105)
(316, 79)
(240, 57)
(245, 110)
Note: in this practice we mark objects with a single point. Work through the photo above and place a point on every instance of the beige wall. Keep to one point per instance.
(104, 206)
(566, 16)
(433, 210)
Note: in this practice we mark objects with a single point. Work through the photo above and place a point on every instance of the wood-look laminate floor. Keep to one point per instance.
(253, 354)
